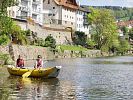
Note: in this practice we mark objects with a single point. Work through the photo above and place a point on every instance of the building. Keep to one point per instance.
(27, 9)
(59, 18)
(82, 24)
(128, 24)
(61, 12)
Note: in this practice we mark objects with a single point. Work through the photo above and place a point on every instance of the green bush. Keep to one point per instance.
(7, 59)
(80, 38)
(4, 39)
(50, 42)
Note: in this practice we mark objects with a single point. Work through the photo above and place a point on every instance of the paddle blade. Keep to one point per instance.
(27, 74)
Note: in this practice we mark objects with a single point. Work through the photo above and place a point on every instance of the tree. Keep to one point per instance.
(18, 35)
(125, 30)
(50, 42)
(5, 28)
(5, 21)
(131, 33)
(104, 28)
(80, 38)
(6, 3)
(4, 39)
(91, 43)
(123, 47)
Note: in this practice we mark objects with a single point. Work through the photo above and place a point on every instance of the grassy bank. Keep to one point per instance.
(71, 47)
(5, 59)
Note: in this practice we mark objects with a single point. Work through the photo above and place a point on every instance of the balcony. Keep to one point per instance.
(85, 23)
(23, 8)
(26, 0)
(85, 17)
(36, 2)
(35, 11)
(24, 3)
(21, 17)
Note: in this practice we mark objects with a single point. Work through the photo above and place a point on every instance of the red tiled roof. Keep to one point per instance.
(67, 3)
(125, 23)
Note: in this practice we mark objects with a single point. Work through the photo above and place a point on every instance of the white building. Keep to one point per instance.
(27, 9)
(82, 24)
(61, 12)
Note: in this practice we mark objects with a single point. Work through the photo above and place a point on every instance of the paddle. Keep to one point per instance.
(27, 74)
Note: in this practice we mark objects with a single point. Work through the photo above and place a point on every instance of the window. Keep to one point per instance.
(34, 7)
(34, 16)
(23, 13)
(65, 22)
(13, 14)
(48, 1)
(71, 23)
(9, 12)
(24, 3)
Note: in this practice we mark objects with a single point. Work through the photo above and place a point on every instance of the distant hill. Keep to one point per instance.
(120, 13)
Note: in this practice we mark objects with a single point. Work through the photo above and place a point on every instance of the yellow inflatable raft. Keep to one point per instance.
(50, 72)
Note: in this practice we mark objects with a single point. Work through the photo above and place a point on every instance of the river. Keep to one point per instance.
(109, 78)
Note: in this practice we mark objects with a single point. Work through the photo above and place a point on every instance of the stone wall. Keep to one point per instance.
(74, 54)
(31, 52)
(4, 49)
(59, 33)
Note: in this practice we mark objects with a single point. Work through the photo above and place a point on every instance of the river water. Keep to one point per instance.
(109, 78)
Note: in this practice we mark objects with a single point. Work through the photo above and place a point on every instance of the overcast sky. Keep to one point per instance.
(123, 3)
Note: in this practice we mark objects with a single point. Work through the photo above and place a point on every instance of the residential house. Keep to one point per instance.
(27, 9)
(82, 24)
(61, 12)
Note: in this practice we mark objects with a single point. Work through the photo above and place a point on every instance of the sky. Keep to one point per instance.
(122, 3)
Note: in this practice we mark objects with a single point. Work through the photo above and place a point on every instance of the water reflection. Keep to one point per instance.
(32, 88)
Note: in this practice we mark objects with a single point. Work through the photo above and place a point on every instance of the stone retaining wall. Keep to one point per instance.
(74, 54)
(31, 52)
(4, 49)
(59, 33)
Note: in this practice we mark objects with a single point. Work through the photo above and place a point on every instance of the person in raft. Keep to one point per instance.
(39, 62)
(20, 62)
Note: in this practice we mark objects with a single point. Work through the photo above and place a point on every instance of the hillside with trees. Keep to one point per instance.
(120, 13)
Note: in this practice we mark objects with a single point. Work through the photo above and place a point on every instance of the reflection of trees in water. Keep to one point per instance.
(36, 89)
(45, 89)
(6, 88)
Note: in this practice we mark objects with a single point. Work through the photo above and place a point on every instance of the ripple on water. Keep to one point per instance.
(108, 78)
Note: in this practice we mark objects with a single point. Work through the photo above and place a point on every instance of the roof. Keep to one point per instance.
(67, 3)
(84, 8)
(125, 23)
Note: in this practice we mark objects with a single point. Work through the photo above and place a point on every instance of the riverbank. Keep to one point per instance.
(30, 53)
